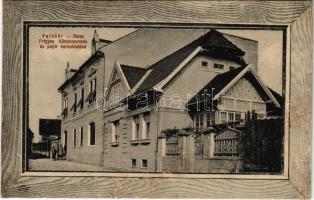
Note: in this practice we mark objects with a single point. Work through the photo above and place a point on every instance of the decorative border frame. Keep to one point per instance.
(297, 16)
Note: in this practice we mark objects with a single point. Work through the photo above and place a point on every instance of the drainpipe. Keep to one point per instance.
(156, 151)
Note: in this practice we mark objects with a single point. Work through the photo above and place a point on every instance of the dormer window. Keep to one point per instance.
(204, 65)
(218, 66)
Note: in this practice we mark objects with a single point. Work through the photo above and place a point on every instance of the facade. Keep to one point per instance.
(81, 128)
(154, 90)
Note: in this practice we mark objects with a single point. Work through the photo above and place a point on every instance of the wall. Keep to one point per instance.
(250, 47)
(181, 86)
(82, 117)
(117, 156)
(243, 96)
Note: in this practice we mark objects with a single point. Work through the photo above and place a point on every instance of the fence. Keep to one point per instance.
(173, 146)
(261, 145)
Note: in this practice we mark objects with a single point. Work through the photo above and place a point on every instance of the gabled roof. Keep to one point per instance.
(212, 40)
(222, 82)
(132, 74)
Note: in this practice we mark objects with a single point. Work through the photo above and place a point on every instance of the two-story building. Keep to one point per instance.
(153, 80)
(141, 103)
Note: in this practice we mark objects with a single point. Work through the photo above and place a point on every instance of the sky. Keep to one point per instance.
(46, 66)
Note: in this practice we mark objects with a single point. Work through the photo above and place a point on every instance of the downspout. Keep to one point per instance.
(156, 152)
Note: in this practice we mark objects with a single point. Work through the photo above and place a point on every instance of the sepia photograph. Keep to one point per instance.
(156, 100)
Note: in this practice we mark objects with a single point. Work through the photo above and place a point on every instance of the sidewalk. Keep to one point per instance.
(61, 165)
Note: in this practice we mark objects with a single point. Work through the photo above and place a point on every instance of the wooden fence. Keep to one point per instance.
(261, 144)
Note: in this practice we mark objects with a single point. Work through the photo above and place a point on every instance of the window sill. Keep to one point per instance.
(145, 141)
(135, 142)
(114, 144)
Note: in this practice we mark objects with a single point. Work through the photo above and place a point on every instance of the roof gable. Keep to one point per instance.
(212, 41)
(223, 82)
(116, 76)
(132, 74)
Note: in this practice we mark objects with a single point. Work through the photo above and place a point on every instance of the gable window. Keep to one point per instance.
(146, 125)
(74, 138)
(133, 162)
(144, 163)
(115, 129)
(136, 127)
(82, 136)
(204, 65)
(115, 91)
(218, 66)
(92, 134)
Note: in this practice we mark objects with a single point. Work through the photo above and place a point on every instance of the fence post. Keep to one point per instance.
(161, 152)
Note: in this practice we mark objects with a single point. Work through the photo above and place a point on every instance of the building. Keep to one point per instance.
(150, 91)
(81, 125)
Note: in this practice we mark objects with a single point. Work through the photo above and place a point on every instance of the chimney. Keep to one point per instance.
(97, 43)
(68, 71)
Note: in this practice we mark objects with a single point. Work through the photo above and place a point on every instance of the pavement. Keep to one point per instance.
(45, 164)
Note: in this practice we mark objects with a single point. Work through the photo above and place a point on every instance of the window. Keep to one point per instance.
(144, 163)
(65, 107)
(210, 119)
(92, 135)
(199, 121)
(75, 101)
(133, 162)
(146, 125)
(92, 91)
(115, 129)
(231, 68)
(82, 136)
(74, 137)
(136, 130)
(238, 117)
(223, 117)
(204, 65)
(230, 117)
(218, 66)
(65, 141)
(82, 98)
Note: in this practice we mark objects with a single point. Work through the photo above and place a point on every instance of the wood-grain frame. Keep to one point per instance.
(296, 15)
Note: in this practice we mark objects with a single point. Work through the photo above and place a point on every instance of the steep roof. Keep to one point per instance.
(132, 74)
(212, 40)
(222, 82)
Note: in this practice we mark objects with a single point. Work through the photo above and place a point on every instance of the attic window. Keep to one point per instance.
(204, 65)
(218, 66)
